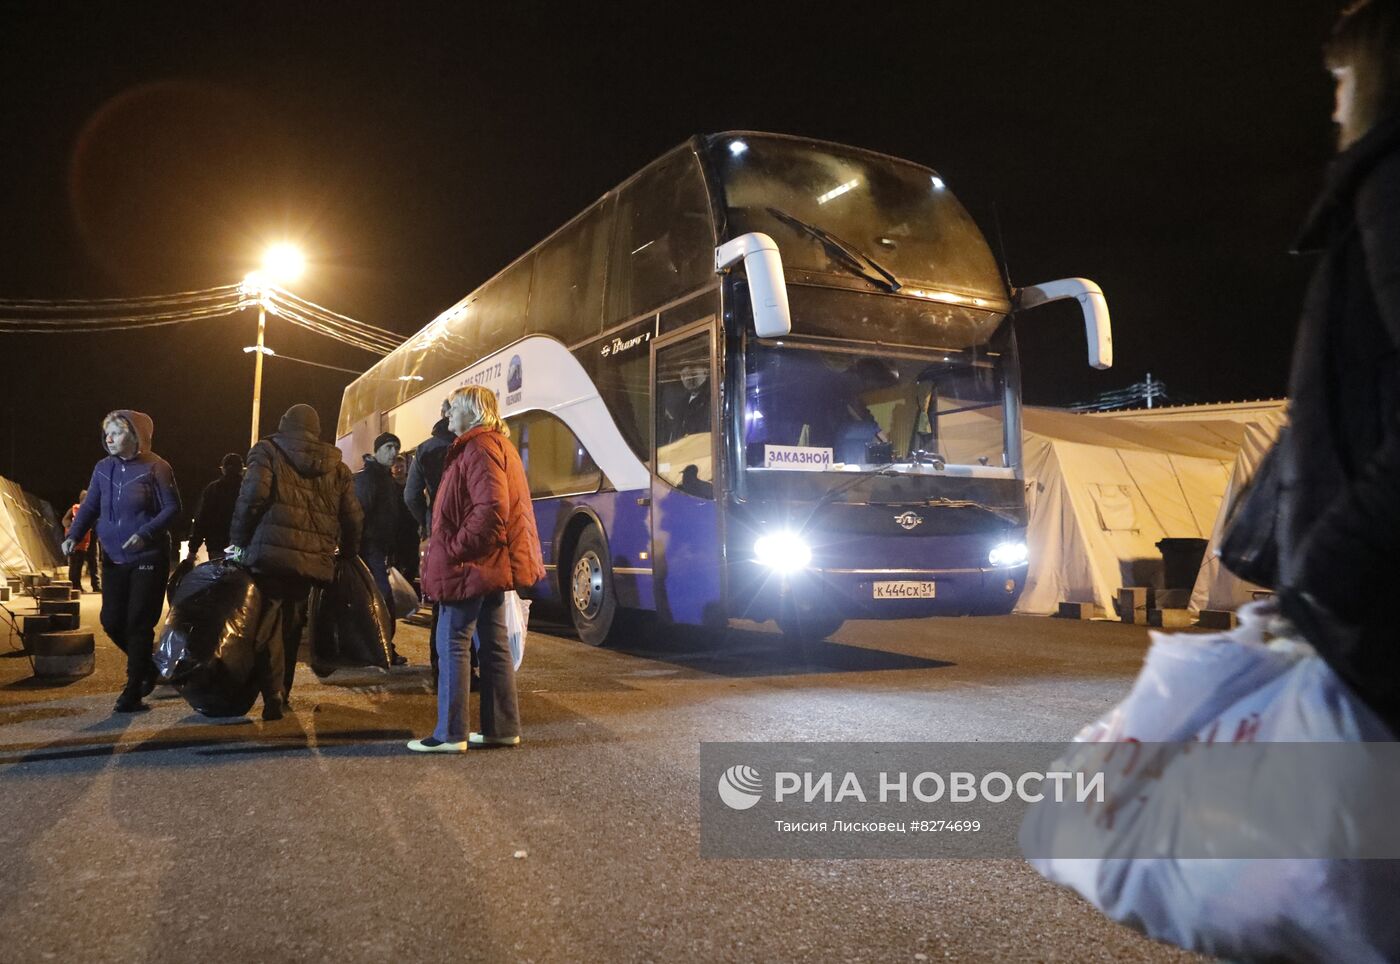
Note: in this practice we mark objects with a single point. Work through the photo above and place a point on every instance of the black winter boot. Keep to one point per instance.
(130, 700)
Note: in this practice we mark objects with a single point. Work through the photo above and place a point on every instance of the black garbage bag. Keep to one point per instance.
(182, 569)
(349, 621)
(207, 643)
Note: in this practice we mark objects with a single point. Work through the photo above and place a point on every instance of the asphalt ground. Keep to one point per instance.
(164, 836)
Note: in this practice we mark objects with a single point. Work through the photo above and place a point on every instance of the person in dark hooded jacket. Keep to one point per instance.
(132, 501)
(425, 473)
(295, 510)
(424, 476)
(215, 512)
(381, 503)
(1338, 528)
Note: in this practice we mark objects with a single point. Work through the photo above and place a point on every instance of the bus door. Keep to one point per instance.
(687, 544)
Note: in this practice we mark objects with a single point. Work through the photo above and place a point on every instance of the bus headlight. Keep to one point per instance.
(782, 551)
(1008, 554)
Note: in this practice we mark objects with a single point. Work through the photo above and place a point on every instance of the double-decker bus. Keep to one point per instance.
(766, 377)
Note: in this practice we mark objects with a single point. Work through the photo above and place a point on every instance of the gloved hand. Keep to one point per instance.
(67, 547)
(235, 555)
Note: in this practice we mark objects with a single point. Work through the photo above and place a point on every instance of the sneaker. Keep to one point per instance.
(431, 745)
(478, 739)
(398, 660)
(130, 702)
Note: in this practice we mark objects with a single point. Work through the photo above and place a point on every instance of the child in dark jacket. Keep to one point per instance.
(131, 502)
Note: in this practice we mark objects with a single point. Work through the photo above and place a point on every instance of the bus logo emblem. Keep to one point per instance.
(909, 519)
(515, 375)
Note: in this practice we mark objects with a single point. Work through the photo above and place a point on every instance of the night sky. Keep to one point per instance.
(1167, 151)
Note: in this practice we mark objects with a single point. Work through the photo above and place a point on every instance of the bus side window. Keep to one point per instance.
(566, 299)
(556, 463)
(500, 311)
(685, 417)
(664, 242)
(620, 367)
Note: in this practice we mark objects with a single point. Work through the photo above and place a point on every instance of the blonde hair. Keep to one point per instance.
(1367, 39)
(480, 405)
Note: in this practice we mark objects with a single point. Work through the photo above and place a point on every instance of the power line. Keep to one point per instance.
(36, 326)
(87, 316)
(306, 361)
(43, 304)
(310, 307)
(373, 346)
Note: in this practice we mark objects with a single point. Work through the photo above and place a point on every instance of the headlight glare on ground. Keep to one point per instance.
(1008, 554)
(782, 551)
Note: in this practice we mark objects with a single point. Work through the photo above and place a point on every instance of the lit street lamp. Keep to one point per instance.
(281, 262)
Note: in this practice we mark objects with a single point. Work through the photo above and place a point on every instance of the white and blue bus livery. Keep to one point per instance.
(764, 378)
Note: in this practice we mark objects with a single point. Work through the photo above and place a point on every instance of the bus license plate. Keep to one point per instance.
(903, 590)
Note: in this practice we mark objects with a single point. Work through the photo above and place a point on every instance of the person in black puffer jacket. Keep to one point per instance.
(381, 503)
(215, 513)
(1339, 513)
(424, 477)
(295, 510)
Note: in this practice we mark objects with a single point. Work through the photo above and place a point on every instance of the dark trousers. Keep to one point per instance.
(76, 558)
(378, 562)
(280, 627)
(432, 647)
(132, 598)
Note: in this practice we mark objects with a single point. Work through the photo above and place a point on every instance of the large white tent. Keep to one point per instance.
(27, 532)
(1100, 494)
(1216, 587)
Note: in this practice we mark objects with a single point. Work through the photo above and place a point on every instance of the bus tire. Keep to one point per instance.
(588, 590)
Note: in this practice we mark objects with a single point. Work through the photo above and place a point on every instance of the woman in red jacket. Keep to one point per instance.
(483, 543)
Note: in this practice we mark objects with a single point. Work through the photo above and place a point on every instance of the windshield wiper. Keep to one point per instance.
(964, 504)
(843, 251)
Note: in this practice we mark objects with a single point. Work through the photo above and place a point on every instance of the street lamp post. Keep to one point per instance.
(281, 262)
(257, 370)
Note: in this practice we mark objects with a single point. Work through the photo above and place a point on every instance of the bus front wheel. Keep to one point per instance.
(592, 601)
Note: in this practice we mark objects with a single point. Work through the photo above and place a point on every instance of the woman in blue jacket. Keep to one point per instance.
(131, 502)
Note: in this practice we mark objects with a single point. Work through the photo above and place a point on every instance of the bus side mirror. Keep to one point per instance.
(767, 288)
(1092, 303)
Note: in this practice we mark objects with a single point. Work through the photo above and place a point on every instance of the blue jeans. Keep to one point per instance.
(500, 714)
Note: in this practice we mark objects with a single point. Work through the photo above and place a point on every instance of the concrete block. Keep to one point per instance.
(4, 593)
(1217, 619)
(62, 622)
(32, 626)
(63, 654)
(54, 607)
(1134, 602)
(1075, 610)
(55, 593)
(1169, 618)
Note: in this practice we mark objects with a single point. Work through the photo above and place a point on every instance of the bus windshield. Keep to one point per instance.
(897, 214)
(853, 409)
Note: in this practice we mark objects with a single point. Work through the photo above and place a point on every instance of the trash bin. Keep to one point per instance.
(1181, 561)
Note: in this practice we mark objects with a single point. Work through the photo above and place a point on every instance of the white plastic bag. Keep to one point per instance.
(405, 597)
(1220, 688)
(517, 621)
